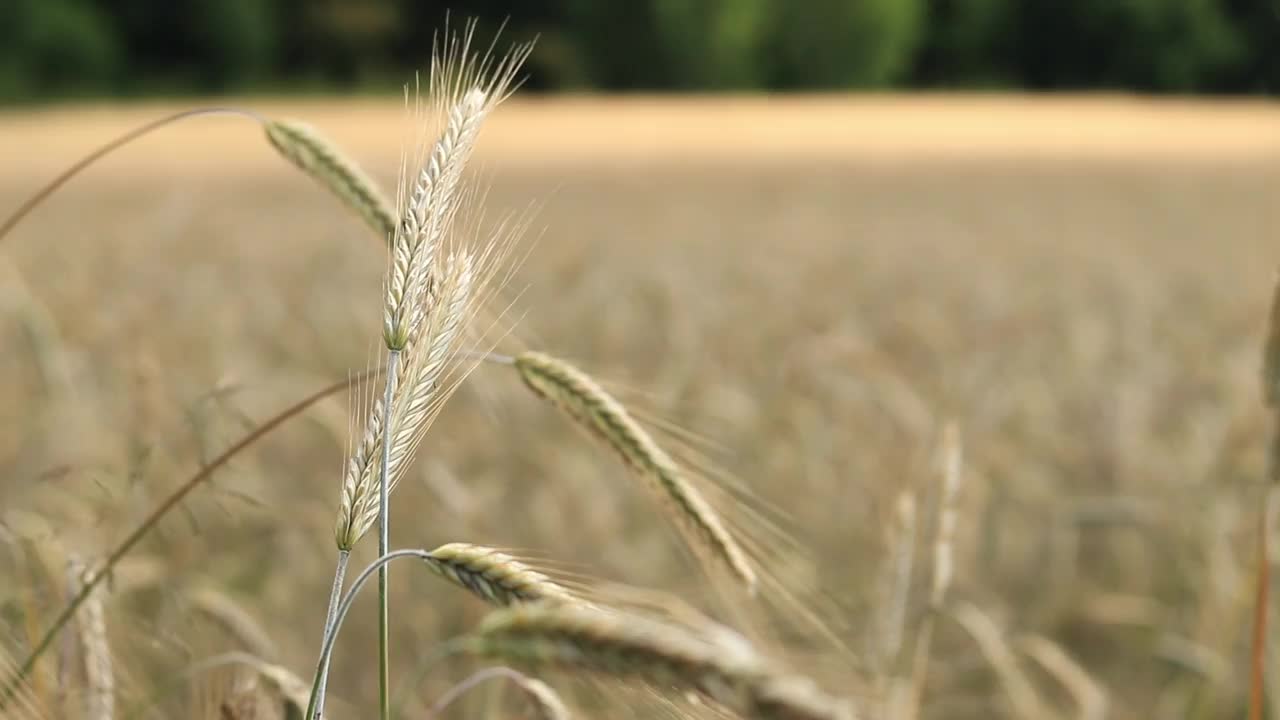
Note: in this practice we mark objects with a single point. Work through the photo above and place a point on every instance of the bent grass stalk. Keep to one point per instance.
(52, 186)
(545, 701)
(153, 518)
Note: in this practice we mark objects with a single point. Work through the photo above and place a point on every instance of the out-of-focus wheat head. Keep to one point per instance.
(718, 665)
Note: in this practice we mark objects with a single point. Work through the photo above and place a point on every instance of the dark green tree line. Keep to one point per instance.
(53, 48)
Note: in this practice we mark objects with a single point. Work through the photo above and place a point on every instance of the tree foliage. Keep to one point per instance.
(60, 47)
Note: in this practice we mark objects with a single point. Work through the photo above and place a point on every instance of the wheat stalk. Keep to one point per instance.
(311, 153)
(495, 576)
(583, 399)
(622, 645)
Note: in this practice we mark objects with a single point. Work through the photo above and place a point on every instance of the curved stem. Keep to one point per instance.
(52, 186)
(170, 502)
(322, 665)
(475, 679)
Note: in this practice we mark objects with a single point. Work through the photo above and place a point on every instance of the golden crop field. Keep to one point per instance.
(796, 295)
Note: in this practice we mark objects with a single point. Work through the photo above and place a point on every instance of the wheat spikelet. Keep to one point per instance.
(99, 670)
(583, 399)
(430, 210)
(320, 159)
(415, 400)
(495, 576)
(466, 89)
(622, 645)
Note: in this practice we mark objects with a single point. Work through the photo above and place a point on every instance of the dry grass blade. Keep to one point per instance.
(583, 399)
(233, 619)
(621, 645)
(1090, 696)
(325, 163)
(494, 576)
(543, 700)
(1017, 686)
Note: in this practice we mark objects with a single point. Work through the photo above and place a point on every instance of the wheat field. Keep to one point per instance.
(802, 293)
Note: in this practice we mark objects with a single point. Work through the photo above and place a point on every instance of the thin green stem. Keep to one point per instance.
(314, 709)
(153, 519)
(384, 542)
(339, 574)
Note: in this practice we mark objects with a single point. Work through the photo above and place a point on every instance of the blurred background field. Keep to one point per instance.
(815, 284)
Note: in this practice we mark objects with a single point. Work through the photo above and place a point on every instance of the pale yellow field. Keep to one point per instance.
(813, 285)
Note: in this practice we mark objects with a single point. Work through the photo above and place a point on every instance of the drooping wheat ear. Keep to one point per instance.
(326, 164)
(99, 672)
(495, 576)
(622, 645)
(417, 398)
(582, 398)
